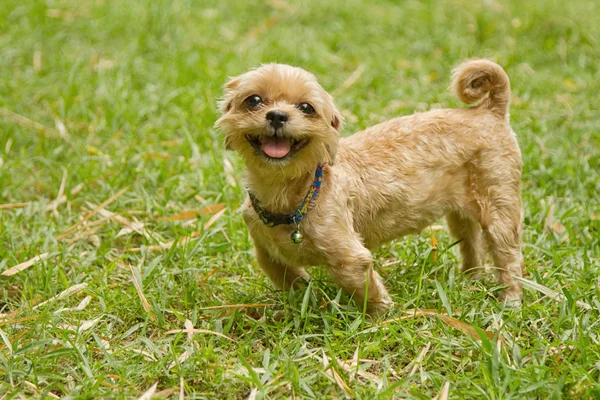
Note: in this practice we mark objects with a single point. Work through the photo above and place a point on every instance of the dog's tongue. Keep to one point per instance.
(275, 147)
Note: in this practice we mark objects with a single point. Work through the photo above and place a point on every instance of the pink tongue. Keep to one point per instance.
(276, 147)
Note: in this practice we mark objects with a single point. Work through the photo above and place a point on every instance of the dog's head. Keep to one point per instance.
(279, 118)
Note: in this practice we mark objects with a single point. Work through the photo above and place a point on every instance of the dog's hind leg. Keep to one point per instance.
(469, 233)
(504, 238)
(496, 190)
(501, 219)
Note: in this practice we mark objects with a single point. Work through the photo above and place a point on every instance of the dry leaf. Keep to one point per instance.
(337, 378)
(144, 353)
(184, 239)
(13, 205)
(90, 230)
(129, 226)
(136, 227)
(252, 395)
(200, 199)
(162, 156)
(83, 327)
(418, 312)
(53, 205)
(193, 214)
(558, 227)
(554, 295)
(106, 344)
(205, 277)
(87, 325)
(62, 129)
(189, 328)
(416, 363)
(411, 313)
(453, 322)
(226, 306)
(18, 320)
(78, 188)
(149, 393)
(464, 327)
(443, 395)
(35, 389)
(80, 307)
(30, 385)
(26, 122)
(184, 356)
(166, 392)
(195, 330)
(94, 240)
(92, 213)
(65, 293)
(138, 288)
(350, 368)
(20, 267)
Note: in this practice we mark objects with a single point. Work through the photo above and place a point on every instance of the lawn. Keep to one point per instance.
(120, 207)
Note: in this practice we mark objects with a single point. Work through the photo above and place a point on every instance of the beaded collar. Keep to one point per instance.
(271, 220)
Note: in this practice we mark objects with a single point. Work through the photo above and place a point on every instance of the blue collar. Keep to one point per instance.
(271, 220)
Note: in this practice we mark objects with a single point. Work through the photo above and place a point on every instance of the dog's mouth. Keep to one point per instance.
(275, 147)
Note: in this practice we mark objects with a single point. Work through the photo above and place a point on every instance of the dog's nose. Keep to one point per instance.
(277, 118)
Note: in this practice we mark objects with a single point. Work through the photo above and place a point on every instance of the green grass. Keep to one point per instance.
(135, 85)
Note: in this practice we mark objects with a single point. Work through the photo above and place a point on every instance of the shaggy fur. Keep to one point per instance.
(389, 180)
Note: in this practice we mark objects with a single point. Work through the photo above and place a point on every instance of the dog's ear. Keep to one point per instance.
(230, 87)
(233, 83)
(336, 117)
(225, 105)
(336, 120)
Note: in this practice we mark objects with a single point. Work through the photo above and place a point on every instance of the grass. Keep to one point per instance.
(125, 93)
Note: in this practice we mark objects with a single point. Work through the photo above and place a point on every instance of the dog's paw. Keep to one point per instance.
(511, 298)
(378, 308)
(474, 276)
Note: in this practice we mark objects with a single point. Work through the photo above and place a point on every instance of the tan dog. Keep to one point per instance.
(389, 180)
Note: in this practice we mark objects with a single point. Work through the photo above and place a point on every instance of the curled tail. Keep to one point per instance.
(483, 80)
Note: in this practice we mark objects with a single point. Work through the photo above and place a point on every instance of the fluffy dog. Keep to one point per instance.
(379, 184)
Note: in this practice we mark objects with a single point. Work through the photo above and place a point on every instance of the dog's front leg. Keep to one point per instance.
(351, 266)
(283, 276)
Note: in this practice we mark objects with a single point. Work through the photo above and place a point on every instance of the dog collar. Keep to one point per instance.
(271, 220)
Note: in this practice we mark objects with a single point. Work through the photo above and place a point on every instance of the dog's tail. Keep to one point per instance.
(483, 80)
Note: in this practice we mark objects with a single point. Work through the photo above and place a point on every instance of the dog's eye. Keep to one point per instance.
(253, 101)
(306, 108)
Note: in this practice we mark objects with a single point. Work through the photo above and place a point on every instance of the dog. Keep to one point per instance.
(318, 199)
